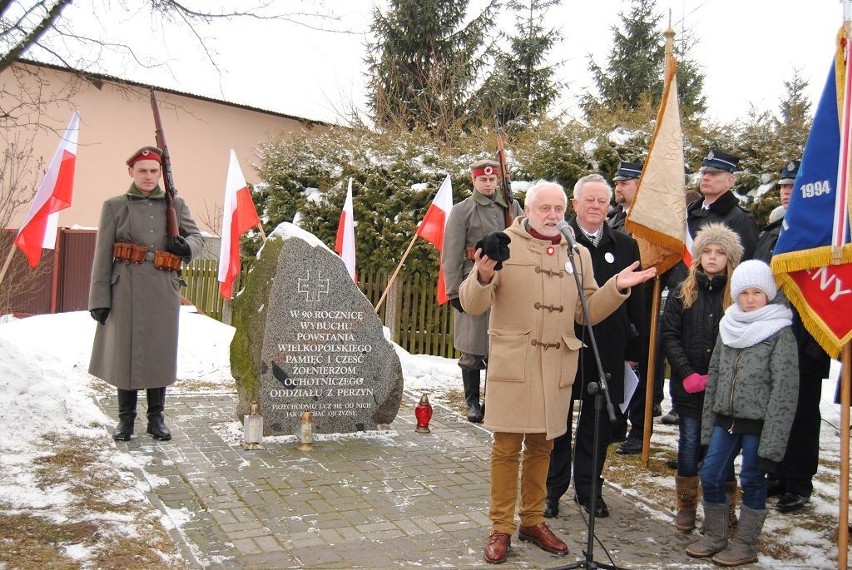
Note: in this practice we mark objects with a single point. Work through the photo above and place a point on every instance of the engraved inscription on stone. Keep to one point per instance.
(324, 349)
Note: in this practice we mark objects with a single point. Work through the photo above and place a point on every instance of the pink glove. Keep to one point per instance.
(695, 383)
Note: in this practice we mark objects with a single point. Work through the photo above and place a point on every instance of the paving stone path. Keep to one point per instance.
(392, 500)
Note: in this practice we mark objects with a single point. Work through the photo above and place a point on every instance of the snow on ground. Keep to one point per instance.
(45, 389)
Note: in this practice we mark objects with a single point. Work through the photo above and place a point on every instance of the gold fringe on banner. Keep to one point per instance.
(814, 258)
(812, 321)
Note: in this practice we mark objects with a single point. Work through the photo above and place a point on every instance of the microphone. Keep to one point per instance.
(566, 230)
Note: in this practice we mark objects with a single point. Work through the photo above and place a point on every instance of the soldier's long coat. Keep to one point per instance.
(468, 223)
(137, 347)
(533, 352)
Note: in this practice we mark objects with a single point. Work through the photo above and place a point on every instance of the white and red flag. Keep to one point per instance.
(432, 229)
(38, 230)
(345, 243)
(687, 246)
(239, 215)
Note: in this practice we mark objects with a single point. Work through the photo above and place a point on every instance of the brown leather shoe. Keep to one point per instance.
(543, 537)
(498, 547)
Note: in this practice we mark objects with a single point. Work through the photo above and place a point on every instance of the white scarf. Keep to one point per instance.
(740, 329)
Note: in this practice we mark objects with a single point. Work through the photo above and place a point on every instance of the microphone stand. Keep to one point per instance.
(600, 390)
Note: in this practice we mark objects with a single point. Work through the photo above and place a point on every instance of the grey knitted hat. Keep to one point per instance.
(753, 273)
(721, 235)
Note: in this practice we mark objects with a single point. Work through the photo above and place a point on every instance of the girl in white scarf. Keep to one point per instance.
(749, 407)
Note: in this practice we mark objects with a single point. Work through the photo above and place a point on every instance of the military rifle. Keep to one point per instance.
(168, 181)
(505, 182)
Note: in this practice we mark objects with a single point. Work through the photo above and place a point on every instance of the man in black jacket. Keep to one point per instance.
(618, 342)
(719, 204)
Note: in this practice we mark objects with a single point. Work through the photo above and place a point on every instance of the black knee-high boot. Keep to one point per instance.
(156, 416)
(126, 414)
(470, 378)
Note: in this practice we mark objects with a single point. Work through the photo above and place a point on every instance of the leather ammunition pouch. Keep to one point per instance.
(167, 261)
(129, 252)
(132, 253)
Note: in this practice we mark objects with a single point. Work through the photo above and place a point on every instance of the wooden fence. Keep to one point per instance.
(411, 312)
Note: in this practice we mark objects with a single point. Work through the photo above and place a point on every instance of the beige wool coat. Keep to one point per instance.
(533, 351)
(137, 346)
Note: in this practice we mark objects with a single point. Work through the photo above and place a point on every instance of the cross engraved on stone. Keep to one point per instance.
(313, 288)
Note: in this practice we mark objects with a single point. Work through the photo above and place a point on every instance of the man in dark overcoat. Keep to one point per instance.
(618, 342)
(135, 292)
(718, 204)
(483, 212)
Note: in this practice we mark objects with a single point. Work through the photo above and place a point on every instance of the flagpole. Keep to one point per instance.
(845, 401)
(650, 374)
(54, 279)
(8, 260)
(843, 524)
(395, 273)
(262, 233)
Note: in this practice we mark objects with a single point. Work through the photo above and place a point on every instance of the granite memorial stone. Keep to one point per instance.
(321, 347)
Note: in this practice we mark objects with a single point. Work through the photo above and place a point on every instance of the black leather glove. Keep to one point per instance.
(100, 314)
(456, 304)
(178, 246)
(496, 246)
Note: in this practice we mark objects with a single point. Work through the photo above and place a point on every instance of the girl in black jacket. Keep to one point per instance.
(689, 329)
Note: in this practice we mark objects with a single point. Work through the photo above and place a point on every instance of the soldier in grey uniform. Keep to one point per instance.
(135, 296)
(481, 213)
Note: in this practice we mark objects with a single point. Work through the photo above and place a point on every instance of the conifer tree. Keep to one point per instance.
(633, 78)
(795, 120)
(690, 80)
(424, 63)
(522, 86)
(635, 61)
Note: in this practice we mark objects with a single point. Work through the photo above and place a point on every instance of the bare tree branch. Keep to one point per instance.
(35, 34)
(17, 165)
(254, 13)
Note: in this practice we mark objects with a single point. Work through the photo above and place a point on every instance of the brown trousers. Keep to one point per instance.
(505, 462)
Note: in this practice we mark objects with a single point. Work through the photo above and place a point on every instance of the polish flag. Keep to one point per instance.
(238, 216)
(38, 231)
(687, 247)
(345, 243)
(432, 229)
